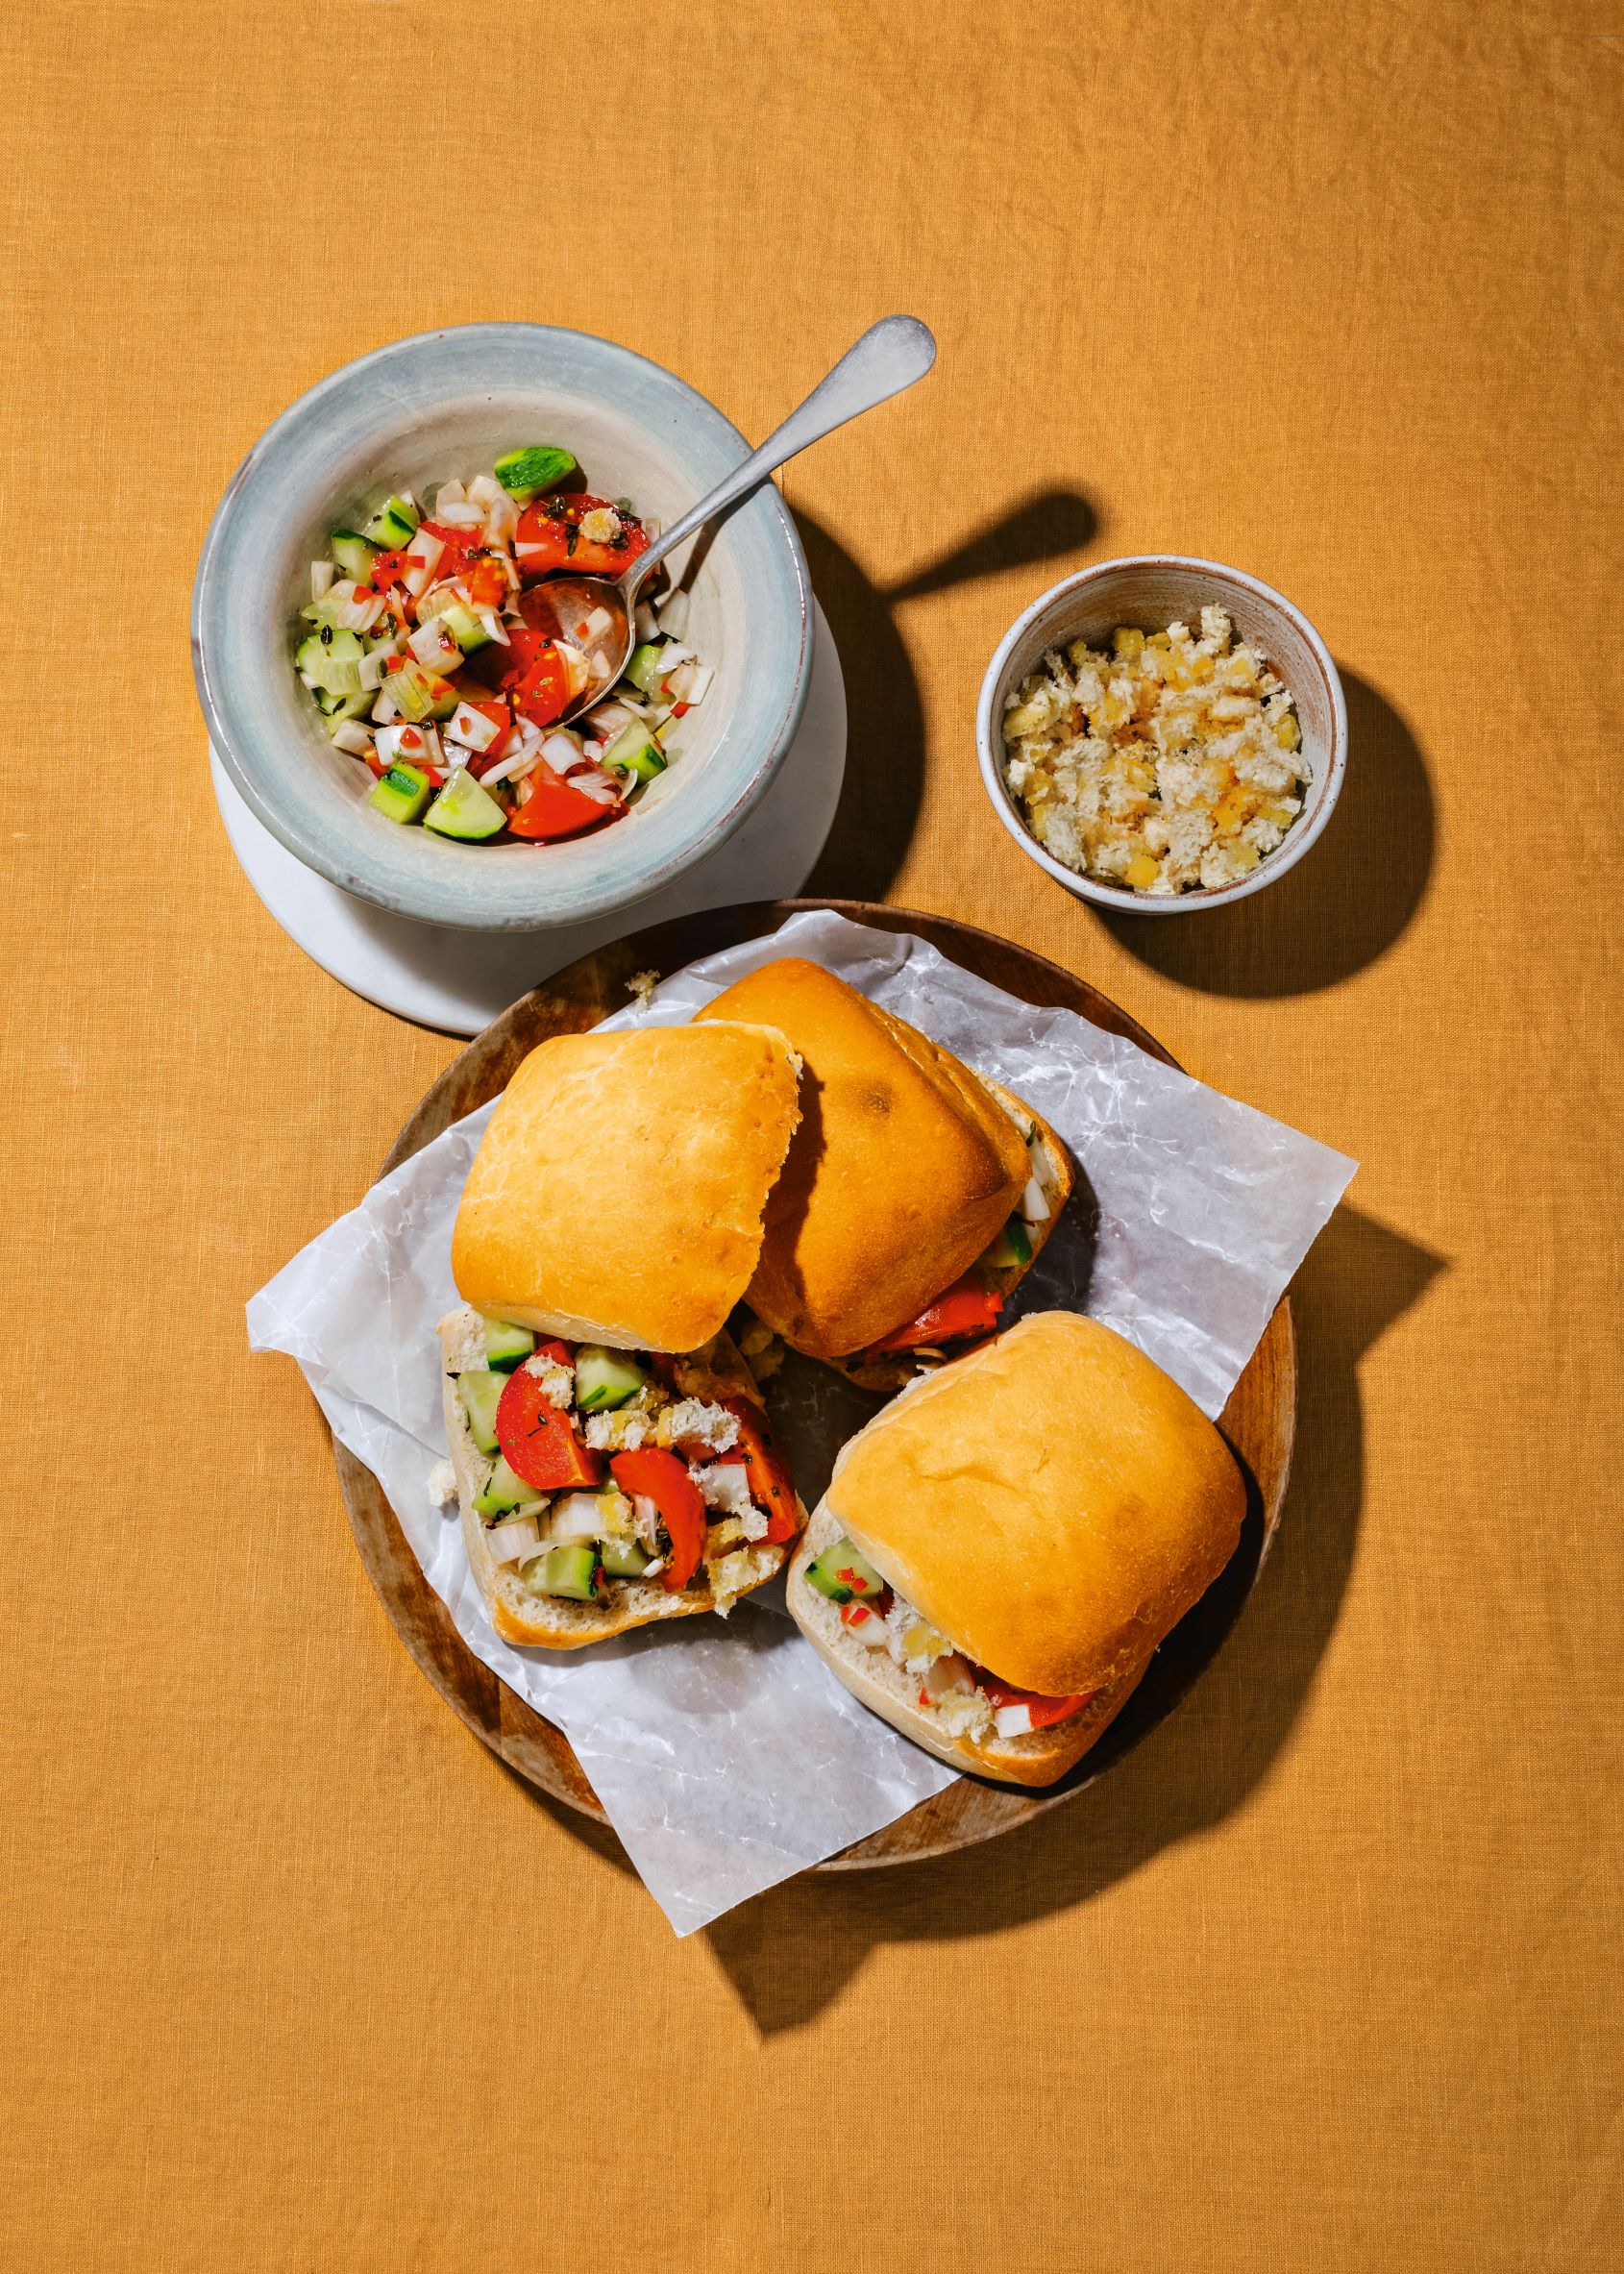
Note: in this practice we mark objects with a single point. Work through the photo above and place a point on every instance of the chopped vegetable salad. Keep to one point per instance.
(436, 660)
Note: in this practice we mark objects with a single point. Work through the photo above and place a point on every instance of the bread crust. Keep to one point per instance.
(1053, 1503)
(553, 1623)
(617, 1195)
(903, 1171)
(886, 1375)
(1039, 1757)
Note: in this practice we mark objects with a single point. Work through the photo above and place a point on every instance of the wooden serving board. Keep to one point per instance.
(1259, 1420)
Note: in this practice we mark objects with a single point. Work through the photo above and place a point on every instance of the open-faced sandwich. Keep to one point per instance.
(612, 1461)
(915, 1193)
(1001, 1549)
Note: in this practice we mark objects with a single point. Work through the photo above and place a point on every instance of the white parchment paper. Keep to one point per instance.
(726, 1755)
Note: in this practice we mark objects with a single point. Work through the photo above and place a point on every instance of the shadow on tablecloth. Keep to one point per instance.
(791, 1952)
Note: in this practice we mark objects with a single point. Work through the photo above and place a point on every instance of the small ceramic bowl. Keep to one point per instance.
(1149, 591)
(415, 413)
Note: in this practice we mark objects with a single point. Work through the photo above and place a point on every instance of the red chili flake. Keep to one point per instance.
(923, 1695)
(680, 710)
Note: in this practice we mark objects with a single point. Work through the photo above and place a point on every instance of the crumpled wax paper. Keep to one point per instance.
(726, 1755)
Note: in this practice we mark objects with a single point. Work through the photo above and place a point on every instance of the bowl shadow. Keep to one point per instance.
(1343, 906)
(879, 803)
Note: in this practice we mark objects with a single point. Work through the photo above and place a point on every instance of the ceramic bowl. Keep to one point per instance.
(414, 414)
(1151, 591)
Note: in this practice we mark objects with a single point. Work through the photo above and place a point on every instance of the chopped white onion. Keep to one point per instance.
(435, 648)
(608, 718)
(600, 787)
(386, 710)
(459, 517)
(1034, 1203)
(645, 624)
(575, 1516)
(309, 679)
(471, 727)
(322, 573)
(597, 623)
(673, 615)
(578, 671)
(1014, 1720)
(700, 676)
(529, 552)
(519, 763)
(353, 736)
(449, 493)
(494, 626)
(673, 655)
(514, 1537)
(561, 749)
(485, 490)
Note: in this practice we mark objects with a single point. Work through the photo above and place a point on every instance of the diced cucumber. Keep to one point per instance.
(480, 1392)
(645, 670)
(840, 1572)
(1012, 1247)
(605, 1378)
(505, 1346)
(522, 473)
(502, 1490)
(573, 1571)
(623, 1559)
(401, 795)
(336, 709)
(635, 752)
(465, 627)
(354, 555)
(332, 658)
(463, 809)
(393, 525)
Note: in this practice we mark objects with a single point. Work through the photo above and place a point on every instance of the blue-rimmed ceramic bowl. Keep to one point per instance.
(417, 412)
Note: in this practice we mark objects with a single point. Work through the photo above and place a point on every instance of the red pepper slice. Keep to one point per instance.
(538, 1441)
(1043, 1710)
(553, 810)
(767, 1473)
(552, 526)
(661, 1478)
(967, 1308)
(387, 569)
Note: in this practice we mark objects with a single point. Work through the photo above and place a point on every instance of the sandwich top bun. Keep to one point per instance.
(904, 1167)
(617, 1195)
(1052, 1504)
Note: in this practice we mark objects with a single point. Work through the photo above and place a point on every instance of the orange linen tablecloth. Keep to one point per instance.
(1327, 1975)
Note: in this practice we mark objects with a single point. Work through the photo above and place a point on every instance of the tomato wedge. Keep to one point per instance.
(553, 810)
(538, 1441)
(543, 693)
(661, 1478)
(551, 530)
(967, 1308)
(487, 583)
(767, 1473)
(1043, 1710)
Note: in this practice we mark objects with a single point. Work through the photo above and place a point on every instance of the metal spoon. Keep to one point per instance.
(888, 357)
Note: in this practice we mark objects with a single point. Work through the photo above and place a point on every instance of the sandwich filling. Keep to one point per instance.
(606, 1465)
(970, 1701)
(969, 1311)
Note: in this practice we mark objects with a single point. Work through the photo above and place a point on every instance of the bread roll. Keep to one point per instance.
(1052, 1504)
(904, 1169)
(617, 1195)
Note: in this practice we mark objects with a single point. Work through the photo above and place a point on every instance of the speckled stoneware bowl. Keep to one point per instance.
(1149, 591)
(445, 403)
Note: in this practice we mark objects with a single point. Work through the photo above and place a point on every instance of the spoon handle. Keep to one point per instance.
(890, 355)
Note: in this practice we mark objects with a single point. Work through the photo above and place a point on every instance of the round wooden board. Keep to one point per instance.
(1259, 1420)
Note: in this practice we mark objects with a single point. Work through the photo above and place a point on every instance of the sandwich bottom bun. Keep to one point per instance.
(556, 1623)
(894, 1372)
(872, 1675)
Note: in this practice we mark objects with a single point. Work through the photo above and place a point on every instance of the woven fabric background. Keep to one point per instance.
(1326, 1976)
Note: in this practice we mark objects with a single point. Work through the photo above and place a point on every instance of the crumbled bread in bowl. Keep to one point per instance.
(1170, 764)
